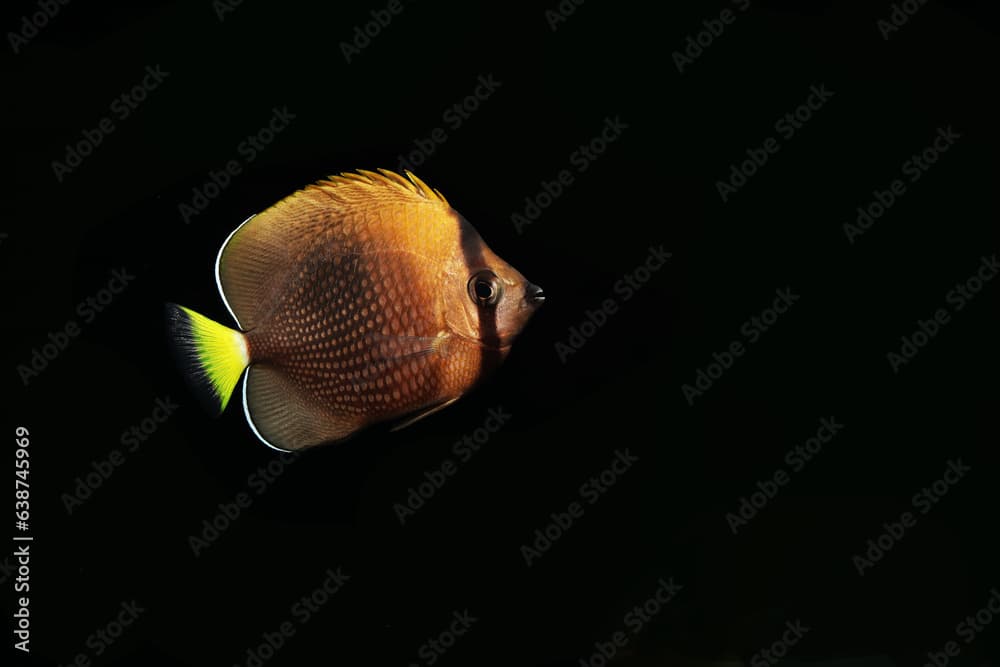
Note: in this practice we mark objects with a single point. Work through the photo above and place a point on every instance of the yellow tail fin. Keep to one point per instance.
(211, 355)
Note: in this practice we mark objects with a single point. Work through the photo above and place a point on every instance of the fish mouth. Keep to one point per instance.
(534, 295)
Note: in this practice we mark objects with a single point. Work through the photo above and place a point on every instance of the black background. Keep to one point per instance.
(665, 517)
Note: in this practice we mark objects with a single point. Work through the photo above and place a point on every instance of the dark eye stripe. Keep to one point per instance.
(489, 355)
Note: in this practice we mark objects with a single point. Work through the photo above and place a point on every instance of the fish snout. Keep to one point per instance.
(534, 295)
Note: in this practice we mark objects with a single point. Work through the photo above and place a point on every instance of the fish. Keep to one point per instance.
(358, 299)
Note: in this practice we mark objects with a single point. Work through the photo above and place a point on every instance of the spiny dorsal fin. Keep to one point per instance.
(349, 185)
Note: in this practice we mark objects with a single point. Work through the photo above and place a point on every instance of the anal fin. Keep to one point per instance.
(284, 417)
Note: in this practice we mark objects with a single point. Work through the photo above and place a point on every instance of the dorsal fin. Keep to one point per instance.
(256, 260)
(363, 184)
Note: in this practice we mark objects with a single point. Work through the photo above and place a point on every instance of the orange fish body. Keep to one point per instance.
(359, 299)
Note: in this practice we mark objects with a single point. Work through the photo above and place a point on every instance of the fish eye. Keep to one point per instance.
(485, 288)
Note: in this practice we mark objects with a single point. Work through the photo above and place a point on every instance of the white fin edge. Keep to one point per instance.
(218, 283)
(246, 410)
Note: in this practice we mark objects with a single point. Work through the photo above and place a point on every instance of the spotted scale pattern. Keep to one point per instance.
(354, 331)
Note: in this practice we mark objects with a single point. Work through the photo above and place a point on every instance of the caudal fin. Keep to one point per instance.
(211, 356)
